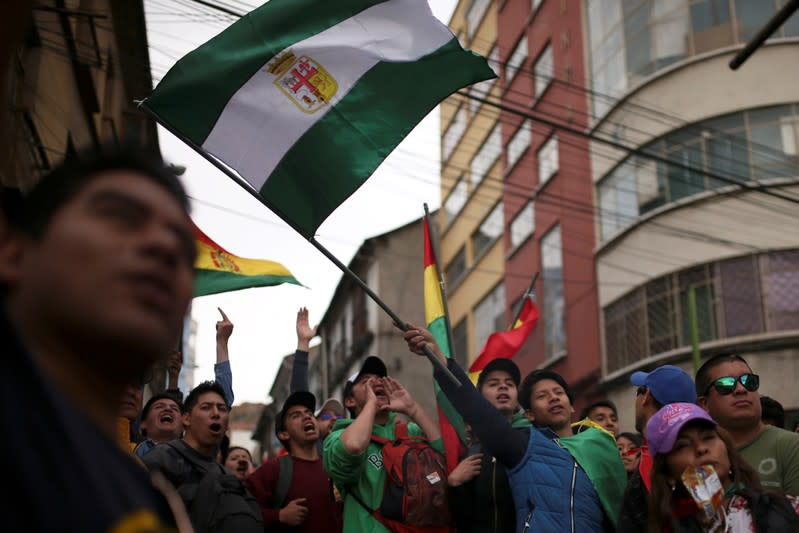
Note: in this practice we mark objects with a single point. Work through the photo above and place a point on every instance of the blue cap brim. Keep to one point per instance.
(639, 378)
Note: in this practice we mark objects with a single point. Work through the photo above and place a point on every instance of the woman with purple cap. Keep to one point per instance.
(700, 482)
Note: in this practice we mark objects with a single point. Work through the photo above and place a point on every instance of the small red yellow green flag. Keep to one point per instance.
(217, 270)
(450, 422)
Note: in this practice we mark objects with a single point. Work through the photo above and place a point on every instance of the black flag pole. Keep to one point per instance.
(530, 290)
(397, 320)
(765, 32)
(401, 324)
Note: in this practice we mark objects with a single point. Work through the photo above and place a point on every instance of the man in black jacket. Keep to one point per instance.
(480, 496)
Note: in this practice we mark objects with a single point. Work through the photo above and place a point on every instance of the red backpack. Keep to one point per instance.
(415, 493)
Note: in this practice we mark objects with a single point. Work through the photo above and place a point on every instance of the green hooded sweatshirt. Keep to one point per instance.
(362, 473)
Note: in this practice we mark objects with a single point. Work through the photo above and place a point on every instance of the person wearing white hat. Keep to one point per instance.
(327, 415)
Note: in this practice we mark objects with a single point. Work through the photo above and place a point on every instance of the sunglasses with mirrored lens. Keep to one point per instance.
(328, 416)
(726, 384)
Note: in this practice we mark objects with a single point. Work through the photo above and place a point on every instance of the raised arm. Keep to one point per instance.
(358, 434)
(173, 365)
(401, 401)
(222, 373)
(495, 432)
(299, 370)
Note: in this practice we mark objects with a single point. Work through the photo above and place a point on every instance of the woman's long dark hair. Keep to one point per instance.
(662, 498)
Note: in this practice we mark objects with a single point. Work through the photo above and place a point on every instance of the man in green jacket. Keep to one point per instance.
(353, 461)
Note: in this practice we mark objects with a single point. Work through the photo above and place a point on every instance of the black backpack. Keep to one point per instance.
(219, 502)
(284, 479)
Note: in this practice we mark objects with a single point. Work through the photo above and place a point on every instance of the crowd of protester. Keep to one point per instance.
(96, 278)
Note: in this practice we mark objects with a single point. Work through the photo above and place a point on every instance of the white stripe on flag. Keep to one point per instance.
(260, 124)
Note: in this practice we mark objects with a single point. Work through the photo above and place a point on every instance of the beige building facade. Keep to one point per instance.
(471, 219)
(706, 200)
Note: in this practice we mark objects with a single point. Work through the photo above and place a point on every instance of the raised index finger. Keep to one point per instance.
(224, 316)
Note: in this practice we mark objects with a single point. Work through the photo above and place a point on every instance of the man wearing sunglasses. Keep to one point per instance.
(727, 388)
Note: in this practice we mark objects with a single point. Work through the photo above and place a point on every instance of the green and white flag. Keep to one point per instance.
(305, 98)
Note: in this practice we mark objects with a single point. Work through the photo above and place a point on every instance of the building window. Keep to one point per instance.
(552, 275)
(483, 88)
(548, 160)
(460, 343)
(454, 132)
(781, 285)
(489, 316)
(519, 143)
(455, 201)
(522, 226)
(736, 297)
(516, 60)
(701, 280)
(755, 144)
(489, 231)
(625, 330)
(661, 316)
(475, 15)
(743, 301)
(544, 71)
(629, 40)
(486, 157)
(456, 268)
(493, 59)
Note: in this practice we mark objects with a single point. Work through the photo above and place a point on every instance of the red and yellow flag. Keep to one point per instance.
(505, 344)
(453, 432)
(217, 270)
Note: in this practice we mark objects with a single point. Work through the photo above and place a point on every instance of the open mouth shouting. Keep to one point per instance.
(503, 397)
(166, 418)
(309, 428)
(380, 391)
(215, 428)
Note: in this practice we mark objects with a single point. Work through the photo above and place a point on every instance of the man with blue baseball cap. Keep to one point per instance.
(662, 386)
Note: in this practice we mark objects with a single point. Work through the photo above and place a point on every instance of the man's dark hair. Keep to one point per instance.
(206, 386)
(772, 411)
(154, 398)
(534, 377)
(702, 379)
(348, 393)
(600, 403)
(61, 185)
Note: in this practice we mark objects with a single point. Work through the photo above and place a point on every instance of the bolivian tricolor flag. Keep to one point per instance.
(217, 270)
(505, 344)
(453, 433)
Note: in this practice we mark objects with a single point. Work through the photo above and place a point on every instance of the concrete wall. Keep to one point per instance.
(696, 89)
(719, 226)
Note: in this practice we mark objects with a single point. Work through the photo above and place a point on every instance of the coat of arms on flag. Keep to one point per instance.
(224, 261)
(303, 80)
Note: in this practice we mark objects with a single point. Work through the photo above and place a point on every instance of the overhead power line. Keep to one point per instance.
(219, 8)
(629, 149)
